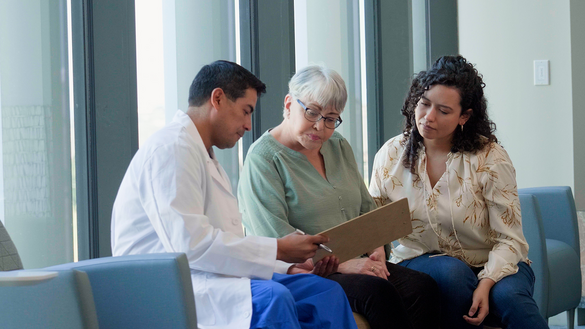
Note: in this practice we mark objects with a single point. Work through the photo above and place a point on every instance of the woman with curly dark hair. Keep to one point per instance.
(461, 189)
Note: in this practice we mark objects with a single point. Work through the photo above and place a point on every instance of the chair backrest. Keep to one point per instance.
(63, 301)
(560, 228)
(9, 259)
(534, 234)
(559, 215)
(141, 291)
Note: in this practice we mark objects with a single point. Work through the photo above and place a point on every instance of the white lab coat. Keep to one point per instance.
(175, 197)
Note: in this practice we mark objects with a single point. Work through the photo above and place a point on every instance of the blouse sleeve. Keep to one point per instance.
(368, 203)
(376, 189)
(503, 205)
(261, 198)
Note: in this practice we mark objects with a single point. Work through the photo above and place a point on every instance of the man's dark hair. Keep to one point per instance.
(233, 79)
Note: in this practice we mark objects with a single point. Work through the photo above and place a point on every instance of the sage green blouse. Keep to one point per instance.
(280, 190)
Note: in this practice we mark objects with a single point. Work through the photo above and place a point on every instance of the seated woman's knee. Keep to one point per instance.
(506, 293)
(424, 281)
(454, 274)
(382, 288)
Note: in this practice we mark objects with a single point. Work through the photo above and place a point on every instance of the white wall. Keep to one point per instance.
(534, 123)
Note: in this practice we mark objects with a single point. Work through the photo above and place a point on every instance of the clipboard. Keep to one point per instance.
(367, 232)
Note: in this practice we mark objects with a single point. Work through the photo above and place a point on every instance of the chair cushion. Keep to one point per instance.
(565, 277)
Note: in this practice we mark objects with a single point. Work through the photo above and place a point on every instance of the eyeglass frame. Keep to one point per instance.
(338, 121)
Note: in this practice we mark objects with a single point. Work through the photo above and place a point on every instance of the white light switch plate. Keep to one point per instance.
(541, 73)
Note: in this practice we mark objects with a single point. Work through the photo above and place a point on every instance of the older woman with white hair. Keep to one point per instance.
(302, 174)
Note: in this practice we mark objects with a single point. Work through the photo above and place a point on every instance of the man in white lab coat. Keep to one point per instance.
(175, 197)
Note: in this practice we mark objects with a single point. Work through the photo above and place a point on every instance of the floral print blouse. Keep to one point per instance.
(472, 213)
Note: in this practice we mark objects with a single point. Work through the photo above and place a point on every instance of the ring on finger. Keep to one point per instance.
(373, 269)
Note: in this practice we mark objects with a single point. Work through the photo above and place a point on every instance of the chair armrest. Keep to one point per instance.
(141, 291)
(56, 299)
(534, 234)
(24, 278)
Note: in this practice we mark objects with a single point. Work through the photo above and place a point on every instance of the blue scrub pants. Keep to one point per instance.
(511, 302)
(300, 301)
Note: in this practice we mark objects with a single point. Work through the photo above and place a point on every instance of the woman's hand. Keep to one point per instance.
(480, 303)
(378, 255)
(324, 267)
(365, 266)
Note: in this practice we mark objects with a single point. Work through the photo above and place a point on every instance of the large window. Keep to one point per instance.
(174, 39)
(36, 190)
(329, 33)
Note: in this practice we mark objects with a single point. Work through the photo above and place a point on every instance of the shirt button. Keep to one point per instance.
(340, 197)
(333, 186)
(235, 221)
(246, 315)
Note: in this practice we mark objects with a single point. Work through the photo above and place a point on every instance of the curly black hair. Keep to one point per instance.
(451, 71)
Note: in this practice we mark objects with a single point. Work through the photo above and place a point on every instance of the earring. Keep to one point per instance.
(461, 128)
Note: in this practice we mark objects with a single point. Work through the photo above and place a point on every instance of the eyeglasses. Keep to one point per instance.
(315, 116)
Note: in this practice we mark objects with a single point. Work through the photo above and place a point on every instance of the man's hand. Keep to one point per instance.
(324, 267)
(296, 248)
(480, 306)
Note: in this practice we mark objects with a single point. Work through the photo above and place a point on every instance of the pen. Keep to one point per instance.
(322, 246)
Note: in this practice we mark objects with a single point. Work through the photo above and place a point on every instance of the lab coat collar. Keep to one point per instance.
(213, 167)
(216, 171)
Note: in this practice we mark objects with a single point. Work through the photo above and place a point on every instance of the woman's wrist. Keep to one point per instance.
(486, 284)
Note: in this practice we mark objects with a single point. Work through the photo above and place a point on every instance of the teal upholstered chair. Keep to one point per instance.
(140, 291)
(534, 234)
(550, 225)
(38, 299)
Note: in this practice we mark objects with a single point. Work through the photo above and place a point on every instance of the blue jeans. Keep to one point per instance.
(511, 302)
(299, 301)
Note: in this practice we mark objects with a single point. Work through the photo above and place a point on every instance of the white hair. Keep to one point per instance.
(319, 84)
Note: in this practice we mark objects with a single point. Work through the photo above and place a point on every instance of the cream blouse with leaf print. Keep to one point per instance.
(472, 213)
